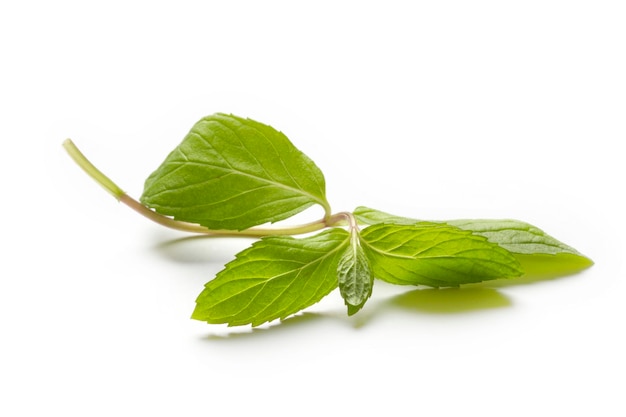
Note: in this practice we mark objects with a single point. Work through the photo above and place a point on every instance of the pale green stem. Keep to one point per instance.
(120, 195)
(91, 170)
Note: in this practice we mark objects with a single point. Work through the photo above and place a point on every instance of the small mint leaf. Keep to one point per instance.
(355, 277)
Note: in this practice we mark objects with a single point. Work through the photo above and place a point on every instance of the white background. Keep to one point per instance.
(429, 109)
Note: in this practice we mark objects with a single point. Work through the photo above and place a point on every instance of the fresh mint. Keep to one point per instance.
(231, 176)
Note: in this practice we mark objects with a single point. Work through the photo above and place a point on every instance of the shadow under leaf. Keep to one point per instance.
(543, 268)
(201, 249)
(450, 300)
(243, 332)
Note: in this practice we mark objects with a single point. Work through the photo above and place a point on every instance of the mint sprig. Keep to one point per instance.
(230, 176)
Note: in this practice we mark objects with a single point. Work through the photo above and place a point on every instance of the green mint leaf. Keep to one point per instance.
(355, 277)
(522, 239)
(234, 173)
(434, 254)
(274, 278)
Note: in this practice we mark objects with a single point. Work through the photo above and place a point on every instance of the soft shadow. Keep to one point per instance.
(428, 300)
(450, 300)
(538, 268)
(201, 249)
(292, 323)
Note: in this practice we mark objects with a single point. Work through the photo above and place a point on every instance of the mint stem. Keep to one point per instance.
(121, 196)
(91, 170)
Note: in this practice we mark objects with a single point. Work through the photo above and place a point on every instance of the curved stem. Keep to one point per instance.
(91, 170)
(353, 226)
(120, 195)
(196, 228)
(341, 218)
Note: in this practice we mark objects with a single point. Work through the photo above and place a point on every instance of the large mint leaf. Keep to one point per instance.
(514, 235)
(234, 173)
(274, 278)
(435, 255)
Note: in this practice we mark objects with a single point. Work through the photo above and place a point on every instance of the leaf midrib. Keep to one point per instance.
(231, 170)
(265, 282)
